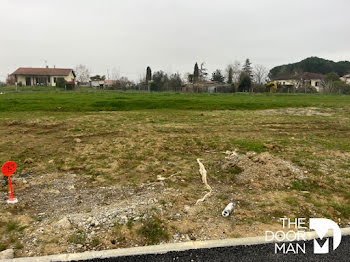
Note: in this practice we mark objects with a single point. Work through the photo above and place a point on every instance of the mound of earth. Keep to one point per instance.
(262, 171)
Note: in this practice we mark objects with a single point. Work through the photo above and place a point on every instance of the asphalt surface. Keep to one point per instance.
(265, 252)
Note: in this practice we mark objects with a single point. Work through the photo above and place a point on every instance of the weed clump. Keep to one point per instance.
(153, 231)
(77, 239)
(304, 185)
(14, 226)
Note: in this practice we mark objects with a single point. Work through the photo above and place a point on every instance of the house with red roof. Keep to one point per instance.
(29, 76)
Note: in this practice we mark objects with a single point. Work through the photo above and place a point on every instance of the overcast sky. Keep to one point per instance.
(129, 35)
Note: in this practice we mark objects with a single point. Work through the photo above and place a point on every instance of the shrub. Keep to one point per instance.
(61, 82)
(341, 87)
(224, 89)
(259, 88)
(307, 89)
(285, 89)
(70, 85)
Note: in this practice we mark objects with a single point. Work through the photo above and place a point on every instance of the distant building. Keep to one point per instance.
(206, 87)
(28, 76)
(303, 79)
(346, 79)
(110, 83)
(100, 83)
(97, 83)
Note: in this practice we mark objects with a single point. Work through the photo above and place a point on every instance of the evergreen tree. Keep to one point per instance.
(333, 76)
(148, 74)
(175, 82)
(230, 75)
(160, 81)
(247, 68)
(98, 78)
(196, 73)
(217, 76)
(245, 82)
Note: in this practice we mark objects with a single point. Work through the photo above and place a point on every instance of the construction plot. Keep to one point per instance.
(106, 180)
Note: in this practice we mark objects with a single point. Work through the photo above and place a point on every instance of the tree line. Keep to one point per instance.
(236, 78)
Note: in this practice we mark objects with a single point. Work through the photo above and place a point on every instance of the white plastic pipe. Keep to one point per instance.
(228, 209)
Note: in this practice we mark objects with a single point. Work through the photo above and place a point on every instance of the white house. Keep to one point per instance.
(346, 79)
(29, 76)
(101, 83)
(303, 79)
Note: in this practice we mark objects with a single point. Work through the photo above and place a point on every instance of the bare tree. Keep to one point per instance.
(188, 77)
(237, 69)
(141, 82)
(82, 74)
(260, 74)
(10, 80)
(115, 75)
(124, 83)
(327, 87)
(203, 72)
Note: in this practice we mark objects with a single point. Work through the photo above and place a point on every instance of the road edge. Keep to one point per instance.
(161, 249)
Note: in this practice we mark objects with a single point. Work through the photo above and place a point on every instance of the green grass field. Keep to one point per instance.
(117, 101)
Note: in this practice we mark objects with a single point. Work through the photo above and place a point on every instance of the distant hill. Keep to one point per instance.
(312, 65)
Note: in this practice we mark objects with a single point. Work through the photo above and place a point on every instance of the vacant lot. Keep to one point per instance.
(109, 170)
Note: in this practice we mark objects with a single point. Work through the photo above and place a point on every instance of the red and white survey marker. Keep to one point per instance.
(7, 170)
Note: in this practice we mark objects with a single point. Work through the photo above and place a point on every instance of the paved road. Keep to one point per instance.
(265, 252)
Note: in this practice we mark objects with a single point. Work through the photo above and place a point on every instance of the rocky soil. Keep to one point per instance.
(64, 212)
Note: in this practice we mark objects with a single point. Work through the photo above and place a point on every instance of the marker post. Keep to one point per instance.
(8, 169)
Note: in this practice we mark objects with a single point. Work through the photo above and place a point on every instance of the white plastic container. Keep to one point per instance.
(228, 210)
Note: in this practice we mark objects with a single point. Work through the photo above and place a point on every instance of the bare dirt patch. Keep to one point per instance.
(309, 111)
